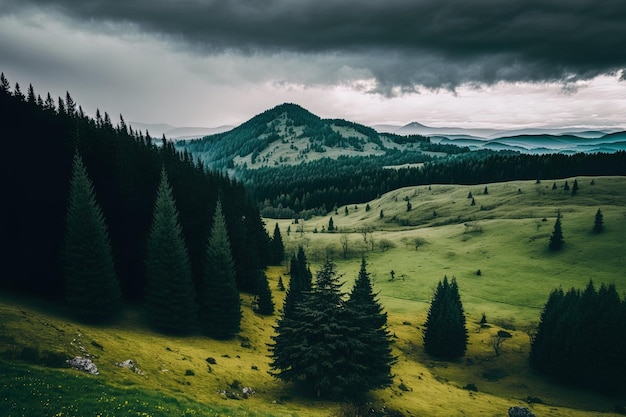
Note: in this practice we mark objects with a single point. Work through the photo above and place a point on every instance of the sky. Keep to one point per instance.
(461, 63)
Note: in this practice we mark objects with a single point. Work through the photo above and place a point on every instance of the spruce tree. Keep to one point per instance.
(220, 305)
(556, 240)
(370, 323)
(598, 224)
(299, 282)
(575, 187)
(331, 224)
(445, 334)
(264, 302)
(314, 347)
(91, 284)
(278, 247)
(170, 294)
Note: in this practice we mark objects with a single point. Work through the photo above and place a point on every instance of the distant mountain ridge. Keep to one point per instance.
(288, 134)
(157, 130)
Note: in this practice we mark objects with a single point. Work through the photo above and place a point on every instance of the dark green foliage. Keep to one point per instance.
(220, 305)
(469, 195)
(566, 186)
(575, 187)
(281, 285)
(91, 285)
(367, 207)
(170, 294)
(381, 214)
(581, 338)
(556, 239)
(554, 186)
(315, 345)
(299, 282)
(331, 224)
(277, 247)
(408, 206)
(598, 224)
(445, 336)
(371, 331)
(124, 166)
(264, 302)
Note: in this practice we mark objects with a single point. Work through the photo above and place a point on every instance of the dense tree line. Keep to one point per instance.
(581, 338)
(322, 184)
(41, 138)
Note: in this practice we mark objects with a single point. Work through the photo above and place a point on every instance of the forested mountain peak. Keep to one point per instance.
(288, 134)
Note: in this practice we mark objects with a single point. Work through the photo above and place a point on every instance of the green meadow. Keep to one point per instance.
(504, 235)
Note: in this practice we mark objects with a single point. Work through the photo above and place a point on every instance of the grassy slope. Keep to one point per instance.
(508, 243)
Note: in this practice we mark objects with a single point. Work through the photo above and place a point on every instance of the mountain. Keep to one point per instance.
(177, 133)
(289, 134)
(415, 128)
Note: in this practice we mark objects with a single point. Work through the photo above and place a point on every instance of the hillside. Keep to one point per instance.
(287, 135)
(503, 235)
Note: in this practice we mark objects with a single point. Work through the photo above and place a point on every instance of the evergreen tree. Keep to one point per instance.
(264, 302)
(91, 284)
(566, 186)
(370, 323)
(170, 294)
(485, 191)
(17, 92)
(220, 305)
(331, 224)
(556, 240)
(5, 86)
(281, 285)
(554, 186)
(445, 336)
(575, 187)
(315, 346)
(278, 247)
(598, 224)
(31, 98)
(299, 282)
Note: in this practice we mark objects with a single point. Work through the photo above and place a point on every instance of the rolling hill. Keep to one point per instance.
(289, 134)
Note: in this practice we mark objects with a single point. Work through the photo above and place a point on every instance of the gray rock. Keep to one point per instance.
(83, 364)
(518, 411)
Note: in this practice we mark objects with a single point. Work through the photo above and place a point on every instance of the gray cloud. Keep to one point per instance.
(402, 44)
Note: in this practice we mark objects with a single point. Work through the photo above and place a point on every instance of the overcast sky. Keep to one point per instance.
(473, 63)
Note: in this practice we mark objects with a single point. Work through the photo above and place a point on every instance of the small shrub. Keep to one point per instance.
(211, 360)
(471, 387)
(189, 372)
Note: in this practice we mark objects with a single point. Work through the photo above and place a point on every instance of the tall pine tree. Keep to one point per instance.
(556, 240)
(91, 284)
(170, 293)
(277, 247)
(299, 282)
(370, 326)
(445, 334)
(220, 305)
(315, 346)
(598, 224)
(264, 302)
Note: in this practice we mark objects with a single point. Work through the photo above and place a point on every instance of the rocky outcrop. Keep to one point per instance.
(83, 364)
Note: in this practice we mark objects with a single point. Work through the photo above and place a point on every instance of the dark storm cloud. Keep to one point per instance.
(403, 43)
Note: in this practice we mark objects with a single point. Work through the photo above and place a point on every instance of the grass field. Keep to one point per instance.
(503, 235)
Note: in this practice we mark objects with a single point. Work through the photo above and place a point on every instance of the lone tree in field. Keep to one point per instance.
(331, 225)
(445, 336)
(277, 247)
(598, 224)
(556, 240)
(374, 349)
(91, 285)
(170, 294)
(575, 187)
(220, 305)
